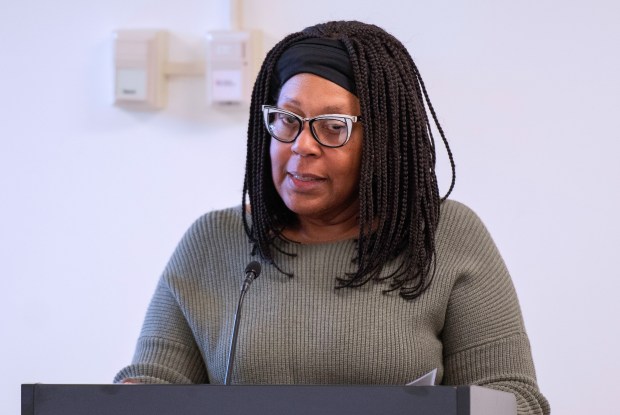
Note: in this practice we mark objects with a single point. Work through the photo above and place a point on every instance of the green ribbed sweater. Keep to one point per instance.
(301, 330)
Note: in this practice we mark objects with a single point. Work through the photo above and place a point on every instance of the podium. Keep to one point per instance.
(53, 399)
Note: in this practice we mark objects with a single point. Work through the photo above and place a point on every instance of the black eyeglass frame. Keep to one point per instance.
(347, 119)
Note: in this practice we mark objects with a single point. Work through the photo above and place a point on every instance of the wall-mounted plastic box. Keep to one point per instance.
(139, 65)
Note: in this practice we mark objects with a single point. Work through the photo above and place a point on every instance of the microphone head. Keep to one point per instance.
(254, 268)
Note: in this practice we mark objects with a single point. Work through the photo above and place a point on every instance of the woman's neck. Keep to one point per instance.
(312, 231)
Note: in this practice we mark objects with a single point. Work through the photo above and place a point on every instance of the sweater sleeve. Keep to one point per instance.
(166, 351)
(484, 337)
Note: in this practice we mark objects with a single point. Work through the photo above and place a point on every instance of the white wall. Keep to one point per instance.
(94, 198)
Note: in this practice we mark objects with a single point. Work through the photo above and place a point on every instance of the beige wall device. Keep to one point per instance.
(229, 67)
(140, 69)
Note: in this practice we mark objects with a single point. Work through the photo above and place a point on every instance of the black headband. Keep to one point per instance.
(327, 58)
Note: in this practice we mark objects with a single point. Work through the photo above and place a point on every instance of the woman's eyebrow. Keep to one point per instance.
(328, 109)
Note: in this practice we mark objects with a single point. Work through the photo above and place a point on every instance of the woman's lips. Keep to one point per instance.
(304, 181)
(304, 177)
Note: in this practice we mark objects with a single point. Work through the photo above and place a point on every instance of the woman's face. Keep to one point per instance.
(314, 181)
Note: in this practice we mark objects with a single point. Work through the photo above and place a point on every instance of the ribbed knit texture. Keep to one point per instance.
(302, 330)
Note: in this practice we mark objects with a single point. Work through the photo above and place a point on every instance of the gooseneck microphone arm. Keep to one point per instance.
(252, 271)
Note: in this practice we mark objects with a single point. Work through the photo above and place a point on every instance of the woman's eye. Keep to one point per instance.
(287, 119)
(335, 126)
(332, 126)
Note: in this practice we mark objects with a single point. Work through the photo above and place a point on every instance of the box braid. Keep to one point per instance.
(398, 192)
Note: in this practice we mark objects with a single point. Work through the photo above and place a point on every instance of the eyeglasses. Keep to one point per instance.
(329, 130)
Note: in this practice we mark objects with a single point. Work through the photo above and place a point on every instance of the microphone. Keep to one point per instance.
(252, 271)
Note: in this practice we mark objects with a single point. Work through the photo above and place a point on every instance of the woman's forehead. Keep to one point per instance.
(311, 91)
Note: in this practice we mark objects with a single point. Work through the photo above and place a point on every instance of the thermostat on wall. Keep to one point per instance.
(229, 67)
(139, 62)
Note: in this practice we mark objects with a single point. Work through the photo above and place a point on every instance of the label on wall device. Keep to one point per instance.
(131, 84)
(227, 85)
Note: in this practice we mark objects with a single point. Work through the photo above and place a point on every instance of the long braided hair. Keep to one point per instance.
(398, 192)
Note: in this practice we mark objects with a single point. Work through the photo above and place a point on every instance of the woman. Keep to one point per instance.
(369, 277)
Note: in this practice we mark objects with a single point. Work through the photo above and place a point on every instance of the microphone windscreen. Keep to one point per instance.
(253, 267)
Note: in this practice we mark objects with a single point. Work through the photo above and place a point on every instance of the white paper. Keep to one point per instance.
(425, 380)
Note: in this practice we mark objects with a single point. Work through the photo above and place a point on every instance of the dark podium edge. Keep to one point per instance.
(463, 395)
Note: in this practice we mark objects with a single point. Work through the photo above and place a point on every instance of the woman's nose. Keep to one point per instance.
(306, 144)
